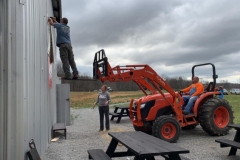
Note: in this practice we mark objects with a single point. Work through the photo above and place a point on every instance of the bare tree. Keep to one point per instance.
(205, 82)
(238, 80)
(223, 81)
(85, 76)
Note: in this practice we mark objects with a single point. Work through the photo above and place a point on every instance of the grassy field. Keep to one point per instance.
(234, 100)
(86, 100)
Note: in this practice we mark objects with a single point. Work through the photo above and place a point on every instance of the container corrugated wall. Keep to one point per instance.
(27, 103)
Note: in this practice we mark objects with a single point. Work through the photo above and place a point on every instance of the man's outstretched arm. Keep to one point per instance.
(186, 89)
(52, 21)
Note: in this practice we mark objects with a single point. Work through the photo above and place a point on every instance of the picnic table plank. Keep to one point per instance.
(114, 114)
(122, 107)
(98, 154)
(140, 145)
(144, 145)
(153, 141)
(236, 126)
(228, 143)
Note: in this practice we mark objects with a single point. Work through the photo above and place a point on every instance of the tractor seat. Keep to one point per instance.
(210, 87)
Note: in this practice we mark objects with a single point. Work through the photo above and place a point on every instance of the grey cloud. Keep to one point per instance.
(217, 33)
(109, 22)
(174, 34)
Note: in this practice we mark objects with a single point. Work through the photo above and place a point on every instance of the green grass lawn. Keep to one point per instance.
(234, 100)
(86, 99)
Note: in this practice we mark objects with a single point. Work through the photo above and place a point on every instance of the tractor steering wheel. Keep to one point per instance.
(181, 93)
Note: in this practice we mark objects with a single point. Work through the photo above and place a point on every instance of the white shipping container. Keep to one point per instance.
(27, 79)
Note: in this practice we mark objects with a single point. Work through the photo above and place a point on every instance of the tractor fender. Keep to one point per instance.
(163, 111)
(199, 102)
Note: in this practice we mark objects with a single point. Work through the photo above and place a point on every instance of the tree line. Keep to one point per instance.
(86, 83)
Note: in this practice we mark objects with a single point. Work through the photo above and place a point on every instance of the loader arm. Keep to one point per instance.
(143, 75)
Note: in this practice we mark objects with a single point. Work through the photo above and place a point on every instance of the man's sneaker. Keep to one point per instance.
(75, 76)
(66, 78)
(184, 112)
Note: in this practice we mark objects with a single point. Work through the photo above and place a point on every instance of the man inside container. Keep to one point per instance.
(194, 90)
(65, 47)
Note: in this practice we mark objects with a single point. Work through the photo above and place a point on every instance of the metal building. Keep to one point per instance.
(27, 75)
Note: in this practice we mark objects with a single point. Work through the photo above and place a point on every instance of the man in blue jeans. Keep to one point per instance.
(65, 47)
(194, 91)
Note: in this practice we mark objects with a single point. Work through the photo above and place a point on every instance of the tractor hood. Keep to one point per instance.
(156, 97)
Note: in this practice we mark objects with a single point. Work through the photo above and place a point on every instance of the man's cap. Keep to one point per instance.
(65, 20)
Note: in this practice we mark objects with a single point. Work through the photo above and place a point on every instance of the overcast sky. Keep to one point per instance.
(170, 36)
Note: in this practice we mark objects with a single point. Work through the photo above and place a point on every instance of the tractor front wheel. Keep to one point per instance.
(166, 128)
(215, 115)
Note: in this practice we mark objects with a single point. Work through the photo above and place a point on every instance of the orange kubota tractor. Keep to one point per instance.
(160, 113)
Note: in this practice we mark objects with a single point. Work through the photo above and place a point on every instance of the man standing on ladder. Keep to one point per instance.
(65, 47)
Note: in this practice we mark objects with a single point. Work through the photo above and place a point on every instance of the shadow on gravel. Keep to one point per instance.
(124, 120)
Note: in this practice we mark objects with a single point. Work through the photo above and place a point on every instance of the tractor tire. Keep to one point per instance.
(143, 129)
(190, 127)
(166, 128)
(215, 115)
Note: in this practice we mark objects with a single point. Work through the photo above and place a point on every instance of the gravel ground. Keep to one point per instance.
(83, 135)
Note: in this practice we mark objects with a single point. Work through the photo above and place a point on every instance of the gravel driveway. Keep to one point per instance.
(84, 135)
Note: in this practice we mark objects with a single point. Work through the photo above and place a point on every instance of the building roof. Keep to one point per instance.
(57, 9)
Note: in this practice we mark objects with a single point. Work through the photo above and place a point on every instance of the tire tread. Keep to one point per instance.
(155, 127)
(206, 113)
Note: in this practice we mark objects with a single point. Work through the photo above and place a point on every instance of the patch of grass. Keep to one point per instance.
(86, 99)
(73, 117)
(234, 100)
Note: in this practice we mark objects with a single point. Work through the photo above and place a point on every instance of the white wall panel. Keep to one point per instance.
(27, 104)
(3, 77)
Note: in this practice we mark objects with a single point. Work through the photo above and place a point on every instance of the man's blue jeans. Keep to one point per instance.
(188, 103)
(185, 100)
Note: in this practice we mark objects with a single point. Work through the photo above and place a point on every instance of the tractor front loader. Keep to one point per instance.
(158, 113)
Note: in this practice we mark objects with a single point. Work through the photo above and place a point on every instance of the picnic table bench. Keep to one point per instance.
(58, 127)
(235, 144)
(98, 154)
(143, 147)
(123, 113)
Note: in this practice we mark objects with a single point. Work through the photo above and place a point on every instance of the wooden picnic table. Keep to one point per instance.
(235, 144)
(124, 112)
(143, 146)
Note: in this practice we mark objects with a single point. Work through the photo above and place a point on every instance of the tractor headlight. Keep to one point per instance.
(142, 105)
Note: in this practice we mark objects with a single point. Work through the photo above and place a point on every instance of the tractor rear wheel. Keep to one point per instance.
(215, 115)
(190, 127)
(147, 130)
(166, 128)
